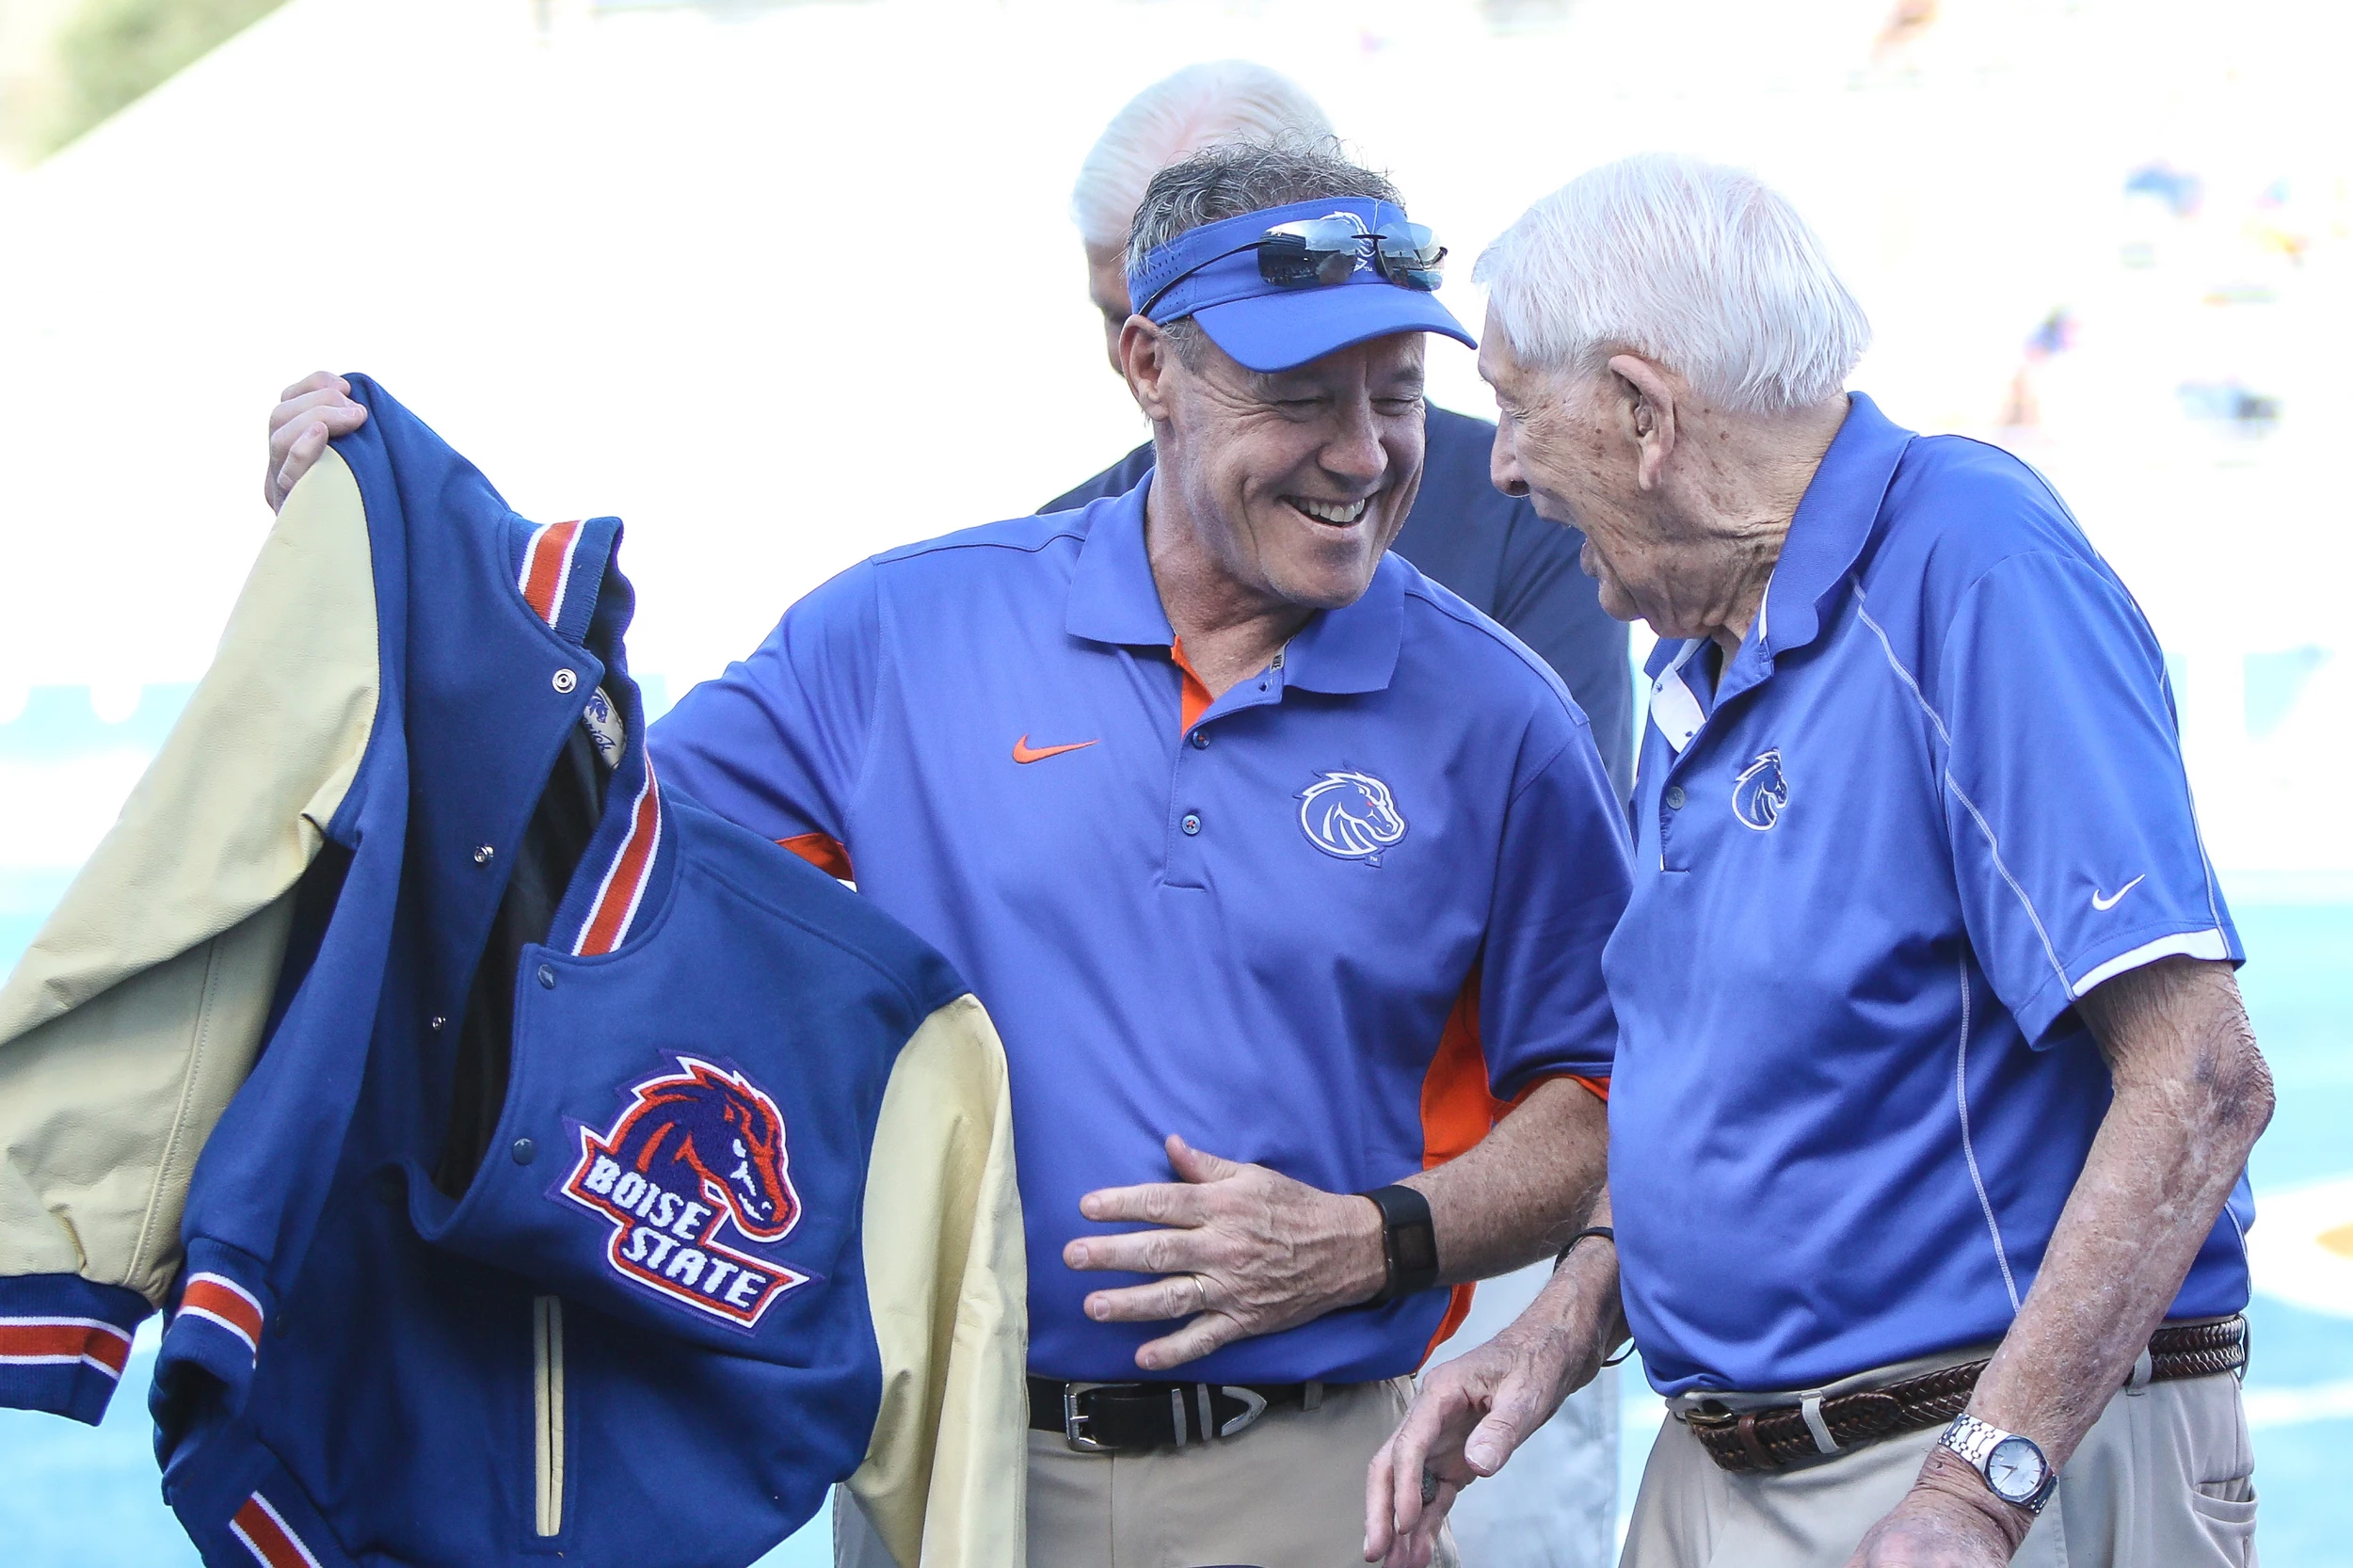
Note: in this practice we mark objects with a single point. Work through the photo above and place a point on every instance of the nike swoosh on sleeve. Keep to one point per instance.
(2110, 902)
(1022, 751)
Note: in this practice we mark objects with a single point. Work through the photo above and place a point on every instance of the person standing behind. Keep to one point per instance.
(1490, 547)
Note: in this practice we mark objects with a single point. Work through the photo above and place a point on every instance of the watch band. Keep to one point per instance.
(1588, 1233)
(1409, 1243)
(1975, 1442)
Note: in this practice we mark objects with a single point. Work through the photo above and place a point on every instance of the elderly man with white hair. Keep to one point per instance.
(1490, 547)
(1933, 1092)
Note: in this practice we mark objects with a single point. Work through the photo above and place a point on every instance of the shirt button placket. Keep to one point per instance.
(1185, 868)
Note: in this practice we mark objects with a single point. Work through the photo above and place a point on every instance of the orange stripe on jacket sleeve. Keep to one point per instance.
(823, 851)
(217, 1298)
(267, 1537)
(62, 1339)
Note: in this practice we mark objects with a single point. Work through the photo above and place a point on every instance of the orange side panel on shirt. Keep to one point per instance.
(1197, 697)
(823, 851)
(1457, 1111)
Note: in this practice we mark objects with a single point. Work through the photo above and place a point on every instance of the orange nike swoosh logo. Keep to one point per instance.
(1022, 752)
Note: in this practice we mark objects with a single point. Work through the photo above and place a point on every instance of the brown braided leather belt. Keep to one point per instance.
(1779, 1436)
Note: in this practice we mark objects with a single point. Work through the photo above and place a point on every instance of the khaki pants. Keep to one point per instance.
(1286, 1493)
(2164, 1479)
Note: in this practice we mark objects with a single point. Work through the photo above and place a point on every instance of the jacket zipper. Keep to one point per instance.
(547, 1408)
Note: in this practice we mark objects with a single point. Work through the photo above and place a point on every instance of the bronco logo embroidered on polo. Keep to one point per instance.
(1759, 792)
(695, 1151)
(1351, 816)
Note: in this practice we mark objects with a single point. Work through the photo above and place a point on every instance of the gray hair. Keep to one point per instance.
(1235, 178)
(1198, 106)
(1248, 176)
(1699, 267)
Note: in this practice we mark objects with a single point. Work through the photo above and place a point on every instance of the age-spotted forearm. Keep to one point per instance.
(1523, 1189)
(2192, 1095)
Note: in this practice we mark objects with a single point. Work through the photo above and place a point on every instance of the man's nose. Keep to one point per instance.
(1353, 451)
(1503, 462)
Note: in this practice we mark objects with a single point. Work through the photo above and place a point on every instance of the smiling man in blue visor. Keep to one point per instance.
(1285, 873)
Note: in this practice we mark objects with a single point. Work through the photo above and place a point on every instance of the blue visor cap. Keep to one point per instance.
(1268, 327)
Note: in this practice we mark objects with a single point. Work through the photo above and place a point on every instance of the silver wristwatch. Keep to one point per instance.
(2013, 1467)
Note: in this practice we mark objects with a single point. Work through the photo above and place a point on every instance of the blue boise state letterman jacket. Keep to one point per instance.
(532, 1164)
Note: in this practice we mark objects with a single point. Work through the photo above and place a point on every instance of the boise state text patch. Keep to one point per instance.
(692, 1153)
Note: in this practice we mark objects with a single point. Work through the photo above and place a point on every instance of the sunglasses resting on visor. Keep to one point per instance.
(1317, 252)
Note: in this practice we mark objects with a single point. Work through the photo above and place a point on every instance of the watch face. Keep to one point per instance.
(2015, 1469)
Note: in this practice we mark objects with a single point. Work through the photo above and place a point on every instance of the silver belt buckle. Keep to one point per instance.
(1074, 1421)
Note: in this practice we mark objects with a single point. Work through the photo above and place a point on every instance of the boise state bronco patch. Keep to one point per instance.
(695, 1156)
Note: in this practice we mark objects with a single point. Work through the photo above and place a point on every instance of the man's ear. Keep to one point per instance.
(1146, 357)
(1646, 410)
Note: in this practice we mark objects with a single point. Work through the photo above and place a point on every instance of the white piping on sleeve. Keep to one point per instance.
(1969, 1149)
(2189, 944)
(1992, 845)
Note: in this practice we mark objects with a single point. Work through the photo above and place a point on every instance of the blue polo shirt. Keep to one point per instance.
(1937, 797)
(1325, 923)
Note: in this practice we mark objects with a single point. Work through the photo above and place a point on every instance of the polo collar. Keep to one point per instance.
(1112, 596)
(1833, 523)
(1115, 599)
(1352, 648)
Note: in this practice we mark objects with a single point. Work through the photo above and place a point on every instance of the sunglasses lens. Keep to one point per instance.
(1411, 256)
(1289, 262)
(1310, 253)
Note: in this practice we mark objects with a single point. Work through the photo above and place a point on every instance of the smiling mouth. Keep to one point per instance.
(1337, 513)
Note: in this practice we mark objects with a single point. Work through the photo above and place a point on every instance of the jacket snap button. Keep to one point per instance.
(1674, 797)
(524, 1151)
(547, 978)
(1192, 823)
(481, 854)
(566, 681)
(436, 1023)
(1200, 740)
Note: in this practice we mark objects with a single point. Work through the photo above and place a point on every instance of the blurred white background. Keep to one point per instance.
(783, 284)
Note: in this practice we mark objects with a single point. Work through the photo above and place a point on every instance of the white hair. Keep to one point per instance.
(1699, 267)
(1198, 106)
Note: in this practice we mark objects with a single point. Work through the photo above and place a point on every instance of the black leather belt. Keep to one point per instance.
(1779, 1436)
(1129, 1417)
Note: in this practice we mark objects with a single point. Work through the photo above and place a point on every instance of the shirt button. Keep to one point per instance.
(566, 681)
(547, 978)
(524, 1151)
(1192, 823)
(481, 854)
(1200, 740)
(1674, 797)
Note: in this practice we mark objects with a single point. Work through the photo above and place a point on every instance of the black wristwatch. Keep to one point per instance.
(1409, 1243)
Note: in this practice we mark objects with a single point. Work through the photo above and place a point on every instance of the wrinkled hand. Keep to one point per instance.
(1244, 1251)
(1948, 1520)
(1471, 1414)
(310, 413)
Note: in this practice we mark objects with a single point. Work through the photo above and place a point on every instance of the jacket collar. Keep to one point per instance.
(1115, 599)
